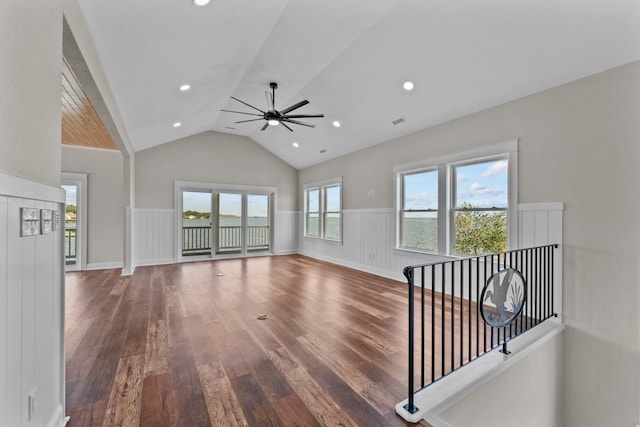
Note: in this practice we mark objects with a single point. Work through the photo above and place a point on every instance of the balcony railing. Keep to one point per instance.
(446, 327)
(70, 244)
(196, 240)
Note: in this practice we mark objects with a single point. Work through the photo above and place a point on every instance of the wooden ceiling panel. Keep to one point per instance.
(81, 124)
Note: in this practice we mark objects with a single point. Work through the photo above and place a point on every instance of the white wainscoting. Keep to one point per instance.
(368, 244)
(155, 237)
(369, 239)
(285, 237)
(31, 310)
(541, 224)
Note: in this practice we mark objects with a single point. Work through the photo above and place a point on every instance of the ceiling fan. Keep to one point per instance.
(275, 117)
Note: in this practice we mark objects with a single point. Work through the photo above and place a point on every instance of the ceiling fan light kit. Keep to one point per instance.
(274, 117)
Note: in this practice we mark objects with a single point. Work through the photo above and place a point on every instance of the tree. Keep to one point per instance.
(479, 232)
(70, 209)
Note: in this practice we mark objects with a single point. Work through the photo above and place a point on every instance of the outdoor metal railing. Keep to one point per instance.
(196, 240)
(450, 329)
(70, 243)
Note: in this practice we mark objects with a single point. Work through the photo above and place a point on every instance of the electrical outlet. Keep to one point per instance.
(32, 404)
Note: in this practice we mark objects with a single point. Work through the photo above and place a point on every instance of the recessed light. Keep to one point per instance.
(407, 85)
(177, 124)
(185, 87)
(295, 144)
(336, 123)
(201, 2)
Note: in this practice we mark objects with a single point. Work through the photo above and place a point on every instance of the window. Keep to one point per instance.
(312, 212)
(419, 211)
(480, 207)
(460, 204)
(323, 210)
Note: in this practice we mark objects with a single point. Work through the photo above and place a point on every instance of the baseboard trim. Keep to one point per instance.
(361, 267)
(103, 265)
(161, 261)
(57, 418)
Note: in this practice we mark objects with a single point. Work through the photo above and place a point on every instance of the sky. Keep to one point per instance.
(480, 184)
(71, 194)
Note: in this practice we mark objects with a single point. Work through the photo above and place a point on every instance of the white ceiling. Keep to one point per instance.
(348, 58)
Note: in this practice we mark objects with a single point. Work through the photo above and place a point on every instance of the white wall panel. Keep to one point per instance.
(539, 224)
(369, 239)
(31, 317)
(154, 236)
(285, 232)
(368, 244)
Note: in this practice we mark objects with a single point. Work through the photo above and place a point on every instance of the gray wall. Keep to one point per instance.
(30, 54)
(105, 201)
(210, 157)
(578, 145)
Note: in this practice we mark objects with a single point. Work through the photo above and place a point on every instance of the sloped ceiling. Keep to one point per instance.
(348, 58)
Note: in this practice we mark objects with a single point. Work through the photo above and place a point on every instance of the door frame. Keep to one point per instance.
(80, 181)
(180, 186)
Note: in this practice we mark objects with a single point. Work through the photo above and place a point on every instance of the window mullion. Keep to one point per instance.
(443, 210)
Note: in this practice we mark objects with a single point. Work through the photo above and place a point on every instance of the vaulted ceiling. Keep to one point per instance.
(348, 58)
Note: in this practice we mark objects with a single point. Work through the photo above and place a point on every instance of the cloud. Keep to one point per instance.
(461, 177)
(496, 168)
(476, 187)
(421, 200)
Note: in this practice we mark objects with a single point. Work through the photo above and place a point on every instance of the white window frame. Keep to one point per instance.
(507, 150)
(80, 181)
(322, 214)
(180, 186)
(402, 210)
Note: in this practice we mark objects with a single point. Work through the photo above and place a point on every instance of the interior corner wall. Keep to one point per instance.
(31, 276)
(578, 144)
(105, 202)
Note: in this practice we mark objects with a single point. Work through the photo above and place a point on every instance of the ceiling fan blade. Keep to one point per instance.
(301, 116)
(294, 107)
(286, 127)
(311, 125)
(248, 105)
(250, 120)
(242, 112)
(266, 125)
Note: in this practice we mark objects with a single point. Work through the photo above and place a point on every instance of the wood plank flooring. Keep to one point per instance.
(181, 345)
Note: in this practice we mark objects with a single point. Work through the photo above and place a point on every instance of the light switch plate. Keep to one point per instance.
(46, 221)
(30, 222)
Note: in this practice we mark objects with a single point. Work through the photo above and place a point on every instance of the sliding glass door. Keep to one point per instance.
(196, 223)
(238, 223)
(258, 222)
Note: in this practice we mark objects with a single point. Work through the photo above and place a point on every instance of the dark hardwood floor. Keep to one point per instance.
(182, 345)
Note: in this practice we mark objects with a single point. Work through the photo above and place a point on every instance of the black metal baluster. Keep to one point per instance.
(453, 309)
(408, 272)
(461, 313)
(442, 349)
(469, 317)
(478, 306)
(422, 359)
(553, 253)
(493, 329)
(433, 323)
